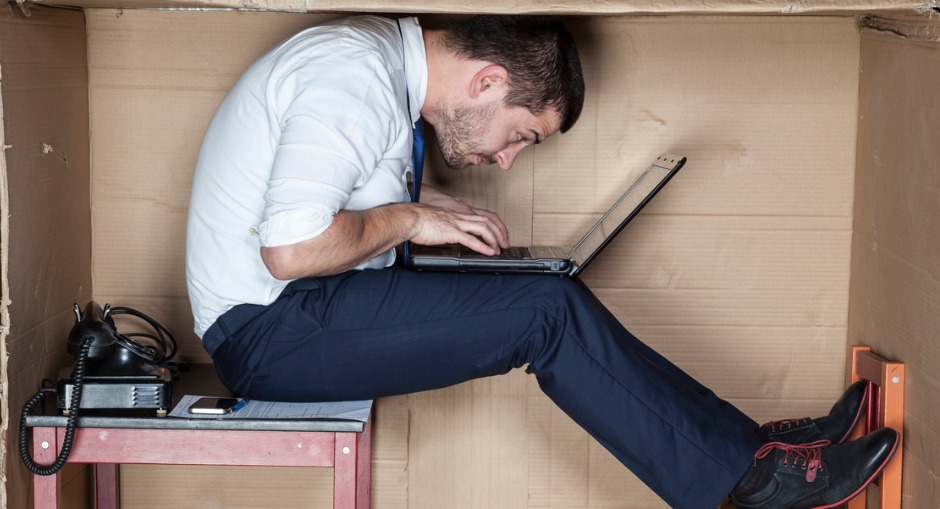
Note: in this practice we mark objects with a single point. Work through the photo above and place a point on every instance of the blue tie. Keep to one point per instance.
(417, 159)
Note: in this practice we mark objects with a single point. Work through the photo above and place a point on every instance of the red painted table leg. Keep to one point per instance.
(345, 471)
(45, 487)
(364, 495)
(107, 486)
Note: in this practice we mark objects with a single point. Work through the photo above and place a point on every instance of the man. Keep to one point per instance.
(300, 197)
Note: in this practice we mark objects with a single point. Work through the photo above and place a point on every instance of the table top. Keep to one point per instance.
(200, 380)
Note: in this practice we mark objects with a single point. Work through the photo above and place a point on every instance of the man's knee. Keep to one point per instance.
(559, 295)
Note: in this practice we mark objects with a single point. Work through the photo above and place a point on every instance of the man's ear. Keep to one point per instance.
(492, 77)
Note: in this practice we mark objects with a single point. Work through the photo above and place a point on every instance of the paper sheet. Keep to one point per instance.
(253, 409)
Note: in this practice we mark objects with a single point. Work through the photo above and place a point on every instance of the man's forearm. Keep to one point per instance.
(353, 238)
(357, 236)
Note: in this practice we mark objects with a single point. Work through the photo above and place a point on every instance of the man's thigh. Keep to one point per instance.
(391, 297)
(380, 332)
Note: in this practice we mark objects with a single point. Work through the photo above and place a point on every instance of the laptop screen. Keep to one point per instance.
(639, 193)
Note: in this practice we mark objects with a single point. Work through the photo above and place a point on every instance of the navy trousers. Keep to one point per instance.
(366, 334)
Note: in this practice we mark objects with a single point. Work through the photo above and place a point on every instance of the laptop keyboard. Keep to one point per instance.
(510, 253)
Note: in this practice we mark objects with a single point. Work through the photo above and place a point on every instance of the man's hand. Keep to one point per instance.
(434, 197)
(436, 225)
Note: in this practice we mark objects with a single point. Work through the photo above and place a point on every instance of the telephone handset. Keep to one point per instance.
(112, 371)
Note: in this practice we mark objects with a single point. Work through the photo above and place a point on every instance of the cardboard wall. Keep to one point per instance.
(895, 284)
(46, 141)
(739, 271)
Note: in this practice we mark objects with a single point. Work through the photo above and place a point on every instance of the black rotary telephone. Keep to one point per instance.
(112, 371)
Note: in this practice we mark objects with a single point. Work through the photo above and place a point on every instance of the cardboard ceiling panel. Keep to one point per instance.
(533, 6)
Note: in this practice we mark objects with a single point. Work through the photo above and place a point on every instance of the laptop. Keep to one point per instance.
(553, 259)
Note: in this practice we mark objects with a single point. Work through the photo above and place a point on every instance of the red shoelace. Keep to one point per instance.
(809, 454)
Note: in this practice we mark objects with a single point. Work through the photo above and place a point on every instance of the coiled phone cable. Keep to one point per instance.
(78, 373)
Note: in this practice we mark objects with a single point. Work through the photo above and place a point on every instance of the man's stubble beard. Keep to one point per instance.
(457, 131)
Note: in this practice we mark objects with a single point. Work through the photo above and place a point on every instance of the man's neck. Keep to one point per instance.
(434, 50)
(449, 77)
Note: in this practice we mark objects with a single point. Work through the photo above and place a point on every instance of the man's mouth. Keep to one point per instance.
(482, 160)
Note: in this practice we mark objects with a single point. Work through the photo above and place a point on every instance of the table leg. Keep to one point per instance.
(45, 487)
(107, 486)
(346, 455)
(364, 464)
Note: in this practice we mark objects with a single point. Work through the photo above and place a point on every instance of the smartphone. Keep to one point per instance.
(213, 406)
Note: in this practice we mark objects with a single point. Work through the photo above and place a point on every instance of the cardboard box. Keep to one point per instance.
(805, 221)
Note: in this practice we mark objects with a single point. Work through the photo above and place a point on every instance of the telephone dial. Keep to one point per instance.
(113, 371)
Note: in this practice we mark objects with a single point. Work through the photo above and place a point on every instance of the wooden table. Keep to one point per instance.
(107, 441)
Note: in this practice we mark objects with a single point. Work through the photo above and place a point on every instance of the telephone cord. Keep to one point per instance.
(78, 373)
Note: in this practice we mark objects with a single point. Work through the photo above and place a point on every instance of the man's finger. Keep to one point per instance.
(483, 230)
(478, 245)
(502, 233)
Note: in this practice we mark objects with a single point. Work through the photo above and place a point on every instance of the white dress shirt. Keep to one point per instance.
(317, 125)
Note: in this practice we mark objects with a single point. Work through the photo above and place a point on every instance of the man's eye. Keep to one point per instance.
(521, 139)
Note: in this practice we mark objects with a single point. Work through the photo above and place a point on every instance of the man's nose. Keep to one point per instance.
(507, 156)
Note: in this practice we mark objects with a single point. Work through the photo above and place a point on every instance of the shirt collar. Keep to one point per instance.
(416, 64)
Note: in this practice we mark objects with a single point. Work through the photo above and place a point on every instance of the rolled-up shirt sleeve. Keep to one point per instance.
(308, 185)
(323, 154)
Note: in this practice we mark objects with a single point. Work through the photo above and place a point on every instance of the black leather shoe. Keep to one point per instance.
(815, 475)
(835, 427)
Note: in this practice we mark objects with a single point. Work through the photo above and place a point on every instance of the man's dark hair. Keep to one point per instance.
(539, 54)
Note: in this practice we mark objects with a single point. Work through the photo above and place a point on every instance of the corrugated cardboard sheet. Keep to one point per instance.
(739, 271)
(48, 244)
(895, 294)
(535, 6)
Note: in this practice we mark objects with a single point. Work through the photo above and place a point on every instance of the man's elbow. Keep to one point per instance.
(281, 262)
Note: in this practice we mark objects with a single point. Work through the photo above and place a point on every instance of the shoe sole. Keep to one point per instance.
(870, 479)
(858, 414)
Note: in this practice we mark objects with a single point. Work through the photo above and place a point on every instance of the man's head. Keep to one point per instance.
(538, 53)
(510, 81)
